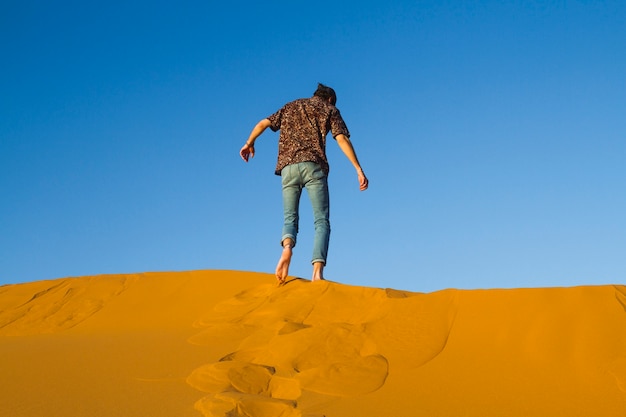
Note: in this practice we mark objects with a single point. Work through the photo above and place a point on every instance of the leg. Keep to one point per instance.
(317, 188)
(318, 271)
(291, 201)
(282, 269)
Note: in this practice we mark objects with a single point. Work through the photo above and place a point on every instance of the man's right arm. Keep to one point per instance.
(247, 151)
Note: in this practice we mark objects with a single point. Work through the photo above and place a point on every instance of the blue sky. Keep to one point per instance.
(493, 134)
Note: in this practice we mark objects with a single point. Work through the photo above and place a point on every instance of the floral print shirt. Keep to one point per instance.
(303, 125)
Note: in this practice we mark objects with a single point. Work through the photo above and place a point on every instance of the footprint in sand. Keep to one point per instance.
(276, 353)
(282, 345)
(61, 304)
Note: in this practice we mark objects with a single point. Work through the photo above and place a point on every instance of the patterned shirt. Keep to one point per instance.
(303, 125)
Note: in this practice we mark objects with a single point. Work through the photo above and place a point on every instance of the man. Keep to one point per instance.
(302, 163)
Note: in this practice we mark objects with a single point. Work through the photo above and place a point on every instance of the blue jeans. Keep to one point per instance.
(307, 175)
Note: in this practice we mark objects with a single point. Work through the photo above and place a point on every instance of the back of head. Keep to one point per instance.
(325, 93)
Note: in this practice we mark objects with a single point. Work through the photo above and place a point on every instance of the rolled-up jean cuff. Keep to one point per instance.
(318, 260)
(288, 236)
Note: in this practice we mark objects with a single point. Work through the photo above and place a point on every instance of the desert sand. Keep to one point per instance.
(226, 343)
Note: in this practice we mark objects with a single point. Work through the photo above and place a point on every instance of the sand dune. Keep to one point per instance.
(224, 343)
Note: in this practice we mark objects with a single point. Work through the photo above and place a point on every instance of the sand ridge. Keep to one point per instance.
(233, 344)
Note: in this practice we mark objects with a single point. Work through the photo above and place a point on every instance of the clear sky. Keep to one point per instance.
(493, 134)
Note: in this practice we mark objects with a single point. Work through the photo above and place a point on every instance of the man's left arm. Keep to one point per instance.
(346, 147)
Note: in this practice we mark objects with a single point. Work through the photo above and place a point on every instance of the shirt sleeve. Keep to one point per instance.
(276, 119)
(337, 125)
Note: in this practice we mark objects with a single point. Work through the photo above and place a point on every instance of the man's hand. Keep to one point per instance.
(363, 181)
(248, 149)
(247, 152)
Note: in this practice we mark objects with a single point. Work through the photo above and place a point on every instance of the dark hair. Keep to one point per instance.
(326, 93)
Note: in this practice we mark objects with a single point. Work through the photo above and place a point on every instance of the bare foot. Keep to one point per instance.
(282, 269)
(318, 271)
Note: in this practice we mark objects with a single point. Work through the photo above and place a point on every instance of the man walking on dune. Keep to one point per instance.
(302, 163)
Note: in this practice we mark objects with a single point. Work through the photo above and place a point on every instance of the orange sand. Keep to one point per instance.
(222, 343)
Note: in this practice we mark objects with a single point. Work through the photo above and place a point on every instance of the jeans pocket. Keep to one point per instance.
(317, 172)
